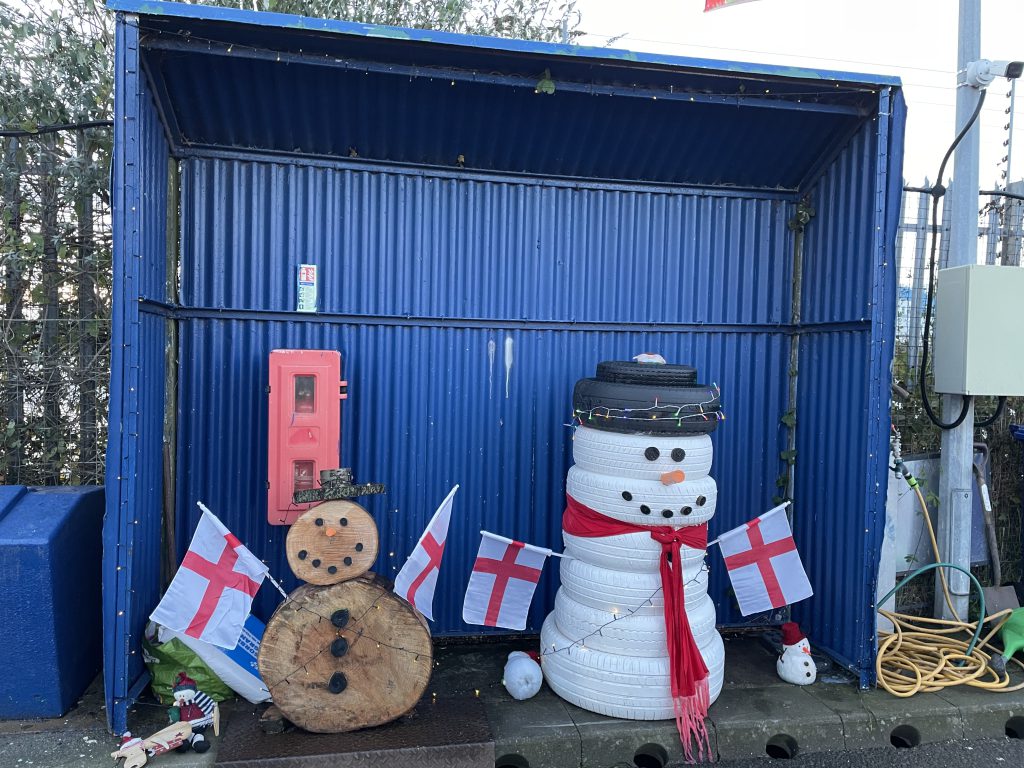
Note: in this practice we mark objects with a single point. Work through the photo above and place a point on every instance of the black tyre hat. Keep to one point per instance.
(646, 409)
(660, 374)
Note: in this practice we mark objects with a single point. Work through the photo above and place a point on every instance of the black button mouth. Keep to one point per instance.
(645, 509)
(667, 513)
(686, 510)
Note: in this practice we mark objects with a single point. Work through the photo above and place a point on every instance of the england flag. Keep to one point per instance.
(418, 577)
(210, 596)
(503, 581)
(763, 565)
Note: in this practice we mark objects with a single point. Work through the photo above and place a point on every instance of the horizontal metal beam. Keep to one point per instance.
(206, 152)
(213, 48)
(183, 313)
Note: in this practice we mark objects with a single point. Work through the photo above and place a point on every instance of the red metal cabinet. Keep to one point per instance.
(304, 428)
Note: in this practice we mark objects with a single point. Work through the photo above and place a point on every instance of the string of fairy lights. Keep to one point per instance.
(581, 642)
(658, 411)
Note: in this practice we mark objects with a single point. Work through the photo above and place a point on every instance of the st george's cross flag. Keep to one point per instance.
(210, 596)
(764, 567)
(714, 5)
(503, 581)
(418, 577)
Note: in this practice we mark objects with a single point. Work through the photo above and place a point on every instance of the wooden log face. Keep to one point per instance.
(327, 678)
(332, 542)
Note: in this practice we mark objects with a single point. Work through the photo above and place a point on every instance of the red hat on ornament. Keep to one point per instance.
(791, 634)
(184, 683)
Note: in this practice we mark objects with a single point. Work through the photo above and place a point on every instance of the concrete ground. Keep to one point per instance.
(829, 723)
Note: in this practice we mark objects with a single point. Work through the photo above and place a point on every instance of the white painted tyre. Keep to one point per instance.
(633, 552)
(636, 635)
(625, 455)
(622, 592)
(630, 687)
(644, 502)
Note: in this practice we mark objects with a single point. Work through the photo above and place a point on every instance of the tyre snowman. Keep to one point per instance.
(642, 456)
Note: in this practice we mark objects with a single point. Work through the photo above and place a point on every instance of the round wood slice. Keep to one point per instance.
(346, 656)
(332, 542)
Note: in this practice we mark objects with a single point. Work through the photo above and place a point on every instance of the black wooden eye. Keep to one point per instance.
(343, 521)
(652, 454)
(678, 454)
(686, 510)
(701, 501)
(645, 509)
(627, 495)
(319, 521)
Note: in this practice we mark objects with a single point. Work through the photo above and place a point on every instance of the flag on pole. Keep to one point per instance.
(714, 5)
(503, 581)
(418, 577)
(211, 594)
(763, 564)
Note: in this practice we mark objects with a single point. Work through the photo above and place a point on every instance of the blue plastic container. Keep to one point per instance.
(50, 552)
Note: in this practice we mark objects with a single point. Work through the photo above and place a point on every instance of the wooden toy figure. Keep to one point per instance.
(194, 707)
(136, 752)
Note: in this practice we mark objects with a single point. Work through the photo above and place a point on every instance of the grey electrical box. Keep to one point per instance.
(979, 331)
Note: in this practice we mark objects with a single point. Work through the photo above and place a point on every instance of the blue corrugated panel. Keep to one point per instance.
(132, 525)
(844, 389)
(570, 275)
(567, 234)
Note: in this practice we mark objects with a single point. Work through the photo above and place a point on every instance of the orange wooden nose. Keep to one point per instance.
(673, 477)
(330, 531)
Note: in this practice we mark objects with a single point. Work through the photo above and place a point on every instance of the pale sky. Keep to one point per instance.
(913, 39)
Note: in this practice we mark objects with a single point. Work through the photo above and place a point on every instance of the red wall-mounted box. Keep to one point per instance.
(304, 429)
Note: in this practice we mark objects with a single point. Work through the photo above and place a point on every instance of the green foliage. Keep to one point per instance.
(56, 68)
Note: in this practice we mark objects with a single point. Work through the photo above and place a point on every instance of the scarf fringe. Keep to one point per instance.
(690, 712)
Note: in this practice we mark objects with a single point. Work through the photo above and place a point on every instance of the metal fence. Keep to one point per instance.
(1000, 241)
(54, 306)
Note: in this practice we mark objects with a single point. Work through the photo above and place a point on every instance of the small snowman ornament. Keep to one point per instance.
(795, 665)
(522, 676)
(194, 707)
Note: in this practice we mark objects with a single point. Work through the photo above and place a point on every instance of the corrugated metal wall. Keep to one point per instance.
(132, 525)
(843, 391)
(420, 273)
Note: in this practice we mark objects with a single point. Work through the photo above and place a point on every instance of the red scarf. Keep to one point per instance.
(687, 671)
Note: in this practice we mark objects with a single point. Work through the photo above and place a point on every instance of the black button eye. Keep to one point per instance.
(678, 454)
(645, 509)
(652, 454)
(701, 501)
(627, 495)
(319, 521)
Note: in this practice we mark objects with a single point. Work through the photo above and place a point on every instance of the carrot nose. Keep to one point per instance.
(673, 477)
(330, 532)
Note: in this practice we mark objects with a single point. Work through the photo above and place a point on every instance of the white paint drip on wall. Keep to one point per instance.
(492, 348)
(508, 362)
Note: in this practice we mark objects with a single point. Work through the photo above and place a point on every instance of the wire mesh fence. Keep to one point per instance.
(55, 271)
(1000, 241)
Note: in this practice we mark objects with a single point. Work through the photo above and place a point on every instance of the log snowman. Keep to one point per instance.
(343, 652)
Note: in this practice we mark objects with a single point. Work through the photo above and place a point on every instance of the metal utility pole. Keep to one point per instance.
(955, 483)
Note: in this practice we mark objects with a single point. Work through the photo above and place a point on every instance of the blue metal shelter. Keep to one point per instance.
(462, 196)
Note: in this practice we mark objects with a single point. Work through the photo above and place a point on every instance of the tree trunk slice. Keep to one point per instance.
(333, 542)
(385, 660)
